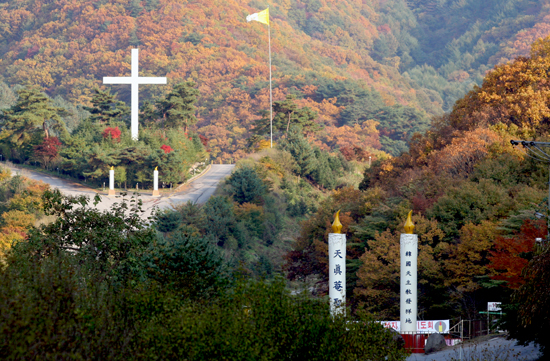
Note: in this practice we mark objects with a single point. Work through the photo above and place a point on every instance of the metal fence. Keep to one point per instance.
(469, 329)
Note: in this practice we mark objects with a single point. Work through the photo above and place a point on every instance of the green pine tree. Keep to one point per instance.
(148, 114)
(33, 112)
(220, 218)
(246, 185)
(302, 152)
(178, 107)
(286, 114)
(106, 108)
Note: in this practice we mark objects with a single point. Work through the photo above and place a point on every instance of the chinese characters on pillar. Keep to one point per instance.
(337, 272)
(409, 252)
(408, 291)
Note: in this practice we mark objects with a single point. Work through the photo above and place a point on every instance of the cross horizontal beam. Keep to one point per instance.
(132, 80)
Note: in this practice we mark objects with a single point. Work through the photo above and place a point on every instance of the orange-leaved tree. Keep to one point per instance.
(512, 253)
(378, 284)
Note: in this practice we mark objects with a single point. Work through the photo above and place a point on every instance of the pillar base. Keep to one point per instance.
(156, 193)
(414, 342)
(111, 192)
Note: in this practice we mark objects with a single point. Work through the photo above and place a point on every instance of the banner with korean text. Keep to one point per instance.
(437, 326)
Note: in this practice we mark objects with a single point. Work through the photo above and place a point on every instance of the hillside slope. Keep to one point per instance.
(393, 62)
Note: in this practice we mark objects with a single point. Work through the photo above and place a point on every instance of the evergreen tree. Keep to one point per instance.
(192, 214)
(286, 114)
(246, 185)
(301, 150)
(324, 174)
(134, 40)
(151, 5)
(149, 114)
(32, 111)
(178, 107)
(106, 108)
(135, 8)
(74, 155)
(187, 262)
(220, 218)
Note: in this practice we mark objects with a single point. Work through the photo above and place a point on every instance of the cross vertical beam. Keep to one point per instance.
(134, 80)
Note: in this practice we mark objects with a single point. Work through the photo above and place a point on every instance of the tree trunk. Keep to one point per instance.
(288, 124)
(46, 132)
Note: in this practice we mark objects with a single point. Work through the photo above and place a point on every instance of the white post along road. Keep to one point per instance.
(197, 191)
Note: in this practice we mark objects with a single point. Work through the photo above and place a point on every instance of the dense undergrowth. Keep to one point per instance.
(76, 290)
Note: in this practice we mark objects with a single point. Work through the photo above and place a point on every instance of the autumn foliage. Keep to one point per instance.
(112, 133)
(166, 148)
(473, 194)
(511, 253)
(22, 207)
(47, 151)
(404, 76)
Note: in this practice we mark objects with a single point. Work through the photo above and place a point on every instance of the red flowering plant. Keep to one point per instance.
(114, 133)
(167, 149)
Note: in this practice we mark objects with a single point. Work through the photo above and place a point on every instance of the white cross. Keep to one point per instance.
(134, 80)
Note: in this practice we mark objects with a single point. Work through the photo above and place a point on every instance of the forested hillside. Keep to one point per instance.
(372, 72)
(441, 85)
(479, 205)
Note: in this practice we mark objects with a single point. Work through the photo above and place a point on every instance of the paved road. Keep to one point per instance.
(201, 189)
(198, 191)
(497, 348)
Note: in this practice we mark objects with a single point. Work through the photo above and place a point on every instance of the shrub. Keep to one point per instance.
(246, 185)
(186, 262)
(262, 321)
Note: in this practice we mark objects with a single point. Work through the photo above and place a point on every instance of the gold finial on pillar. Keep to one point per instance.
(156, 168)
(336, 225)
(112, 168)
(409, 225)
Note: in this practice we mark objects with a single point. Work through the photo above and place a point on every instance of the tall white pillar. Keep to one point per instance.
(337, 268)
(112, 182)
(409, 291)
(156, 183)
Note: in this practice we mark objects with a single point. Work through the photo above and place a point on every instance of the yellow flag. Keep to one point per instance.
(262, 17)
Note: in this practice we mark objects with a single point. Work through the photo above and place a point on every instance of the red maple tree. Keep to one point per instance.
(47, 151)
(510, 253)
(167, 149)
(114, 133)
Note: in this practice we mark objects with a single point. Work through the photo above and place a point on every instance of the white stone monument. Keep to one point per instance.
(409, 259)
(112, 181)
(134, 80)
(156, 183)
(337, 268)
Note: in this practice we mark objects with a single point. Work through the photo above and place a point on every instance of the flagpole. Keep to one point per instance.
(270, 90)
